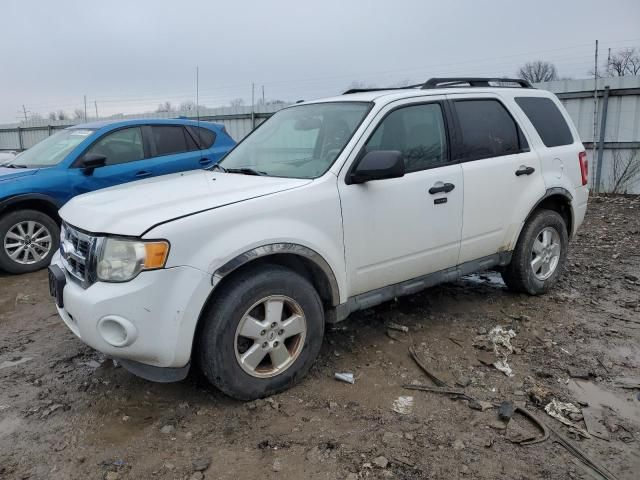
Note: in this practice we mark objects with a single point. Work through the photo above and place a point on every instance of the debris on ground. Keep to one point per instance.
(346, 377)
(403, 405)
(422, 363)
(505, 410)
(595, 423)
(627, 382)
(557, 410)
(497, 340)
(398, 327)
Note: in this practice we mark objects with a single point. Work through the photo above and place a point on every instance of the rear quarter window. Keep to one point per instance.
(547, 120)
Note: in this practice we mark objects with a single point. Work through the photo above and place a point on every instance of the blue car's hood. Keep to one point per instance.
(11, 173)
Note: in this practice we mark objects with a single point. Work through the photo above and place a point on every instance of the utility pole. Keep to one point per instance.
(595, 110)
(253, 103)
(24, 110)
(95, 102)
(609, 61)
(262, 94)
(85, 108)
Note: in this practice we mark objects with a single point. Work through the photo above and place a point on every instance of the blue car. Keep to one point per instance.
(83, 158)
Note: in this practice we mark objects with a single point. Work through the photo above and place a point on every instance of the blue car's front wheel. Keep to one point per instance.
(28, 239)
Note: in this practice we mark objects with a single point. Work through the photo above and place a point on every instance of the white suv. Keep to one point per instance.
(328, 207)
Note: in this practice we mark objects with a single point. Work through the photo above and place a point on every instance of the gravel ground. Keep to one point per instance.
(66, 412)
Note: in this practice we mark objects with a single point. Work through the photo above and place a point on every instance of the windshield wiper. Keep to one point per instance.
(245, 171)
(217, 167)
(14, 165)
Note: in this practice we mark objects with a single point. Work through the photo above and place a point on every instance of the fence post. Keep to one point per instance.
(603, 125)
(49, 130)
(20, 146)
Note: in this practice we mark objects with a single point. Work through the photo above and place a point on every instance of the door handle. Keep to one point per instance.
(204, 161)
(525, 171)
(143, 174)
(444, 188)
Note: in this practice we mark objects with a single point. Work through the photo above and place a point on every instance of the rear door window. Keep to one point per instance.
(487, 130)
(170, 139)
(547, 120)
(203, 136)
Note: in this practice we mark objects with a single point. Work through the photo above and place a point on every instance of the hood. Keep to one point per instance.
(133, 208)
(11, 173)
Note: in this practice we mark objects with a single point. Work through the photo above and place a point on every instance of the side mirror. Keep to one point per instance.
(378, 165)
(92, 161)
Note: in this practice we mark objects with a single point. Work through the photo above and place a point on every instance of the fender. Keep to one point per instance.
(4, 203)
(563, 192)
(279, 248)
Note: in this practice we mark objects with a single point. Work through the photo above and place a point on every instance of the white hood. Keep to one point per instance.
(133, 208)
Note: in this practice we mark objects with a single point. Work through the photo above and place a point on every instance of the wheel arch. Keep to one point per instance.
(32, 201)
(559, 200)
(299, 258)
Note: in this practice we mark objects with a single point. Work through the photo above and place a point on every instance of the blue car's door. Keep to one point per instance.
(174, 149)
(127, 159)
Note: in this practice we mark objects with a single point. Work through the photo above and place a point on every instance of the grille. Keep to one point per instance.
(75, 248)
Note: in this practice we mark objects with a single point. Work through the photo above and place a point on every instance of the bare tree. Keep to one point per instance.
(165, 107)
(187, 106)
(538, 71)
(236, 102)
(624, 62)
(52, 116)
(78, 114)
(62, 115)
(625, 170)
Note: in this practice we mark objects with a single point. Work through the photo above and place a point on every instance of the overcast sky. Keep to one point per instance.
(128, 56)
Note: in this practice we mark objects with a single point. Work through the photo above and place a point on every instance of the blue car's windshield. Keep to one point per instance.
(298, 142)
(52, 150)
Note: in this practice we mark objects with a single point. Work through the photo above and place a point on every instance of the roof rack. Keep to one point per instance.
(475, 82)
(448, 82)
(376, 89)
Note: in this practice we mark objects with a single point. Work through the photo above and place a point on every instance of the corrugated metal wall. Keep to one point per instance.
(622, 133)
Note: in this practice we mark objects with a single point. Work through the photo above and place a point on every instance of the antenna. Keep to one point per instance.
(198, 103)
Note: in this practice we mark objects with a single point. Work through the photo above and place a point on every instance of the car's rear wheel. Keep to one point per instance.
(540, 254)
(261, 333)
(28, 240)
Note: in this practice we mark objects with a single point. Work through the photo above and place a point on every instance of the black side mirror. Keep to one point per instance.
(92, 161)
(378, 165)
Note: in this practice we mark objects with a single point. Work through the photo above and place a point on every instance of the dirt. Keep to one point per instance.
(66, 412)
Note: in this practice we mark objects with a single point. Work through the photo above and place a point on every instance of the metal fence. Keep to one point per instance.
(617, 135)
(238, 121)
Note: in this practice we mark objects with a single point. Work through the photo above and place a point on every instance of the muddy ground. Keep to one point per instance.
(68, 413)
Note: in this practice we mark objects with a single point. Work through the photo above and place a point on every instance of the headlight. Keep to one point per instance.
(120, 260)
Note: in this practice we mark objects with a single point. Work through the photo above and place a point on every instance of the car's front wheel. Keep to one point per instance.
(540, 254)
(261, 333)
(28, 240)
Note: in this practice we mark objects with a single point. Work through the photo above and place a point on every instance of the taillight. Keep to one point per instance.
(584, 167)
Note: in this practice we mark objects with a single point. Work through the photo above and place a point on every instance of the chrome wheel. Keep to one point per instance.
(270, 336)
(545, 254)
(27, 242)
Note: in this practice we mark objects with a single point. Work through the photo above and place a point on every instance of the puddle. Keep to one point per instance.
(491, 278)
(624, 404)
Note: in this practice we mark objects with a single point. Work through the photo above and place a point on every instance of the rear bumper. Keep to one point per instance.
(579, 205)
(147, 322)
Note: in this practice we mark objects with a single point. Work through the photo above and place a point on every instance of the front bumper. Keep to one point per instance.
(150, 320)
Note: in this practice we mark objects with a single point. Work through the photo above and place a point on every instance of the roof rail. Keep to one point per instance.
(376, 89)
(475, 82)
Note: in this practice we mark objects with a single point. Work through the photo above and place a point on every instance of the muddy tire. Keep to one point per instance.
(540, 254)
(28, 240)
(261, 333)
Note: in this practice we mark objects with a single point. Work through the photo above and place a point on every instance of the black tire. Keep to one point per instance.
(216, 337)
(519, 275)
(8, 221)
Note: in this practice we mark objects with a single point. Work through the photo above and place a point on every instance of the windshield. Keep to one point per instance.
(298, 142)
(52, 150)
